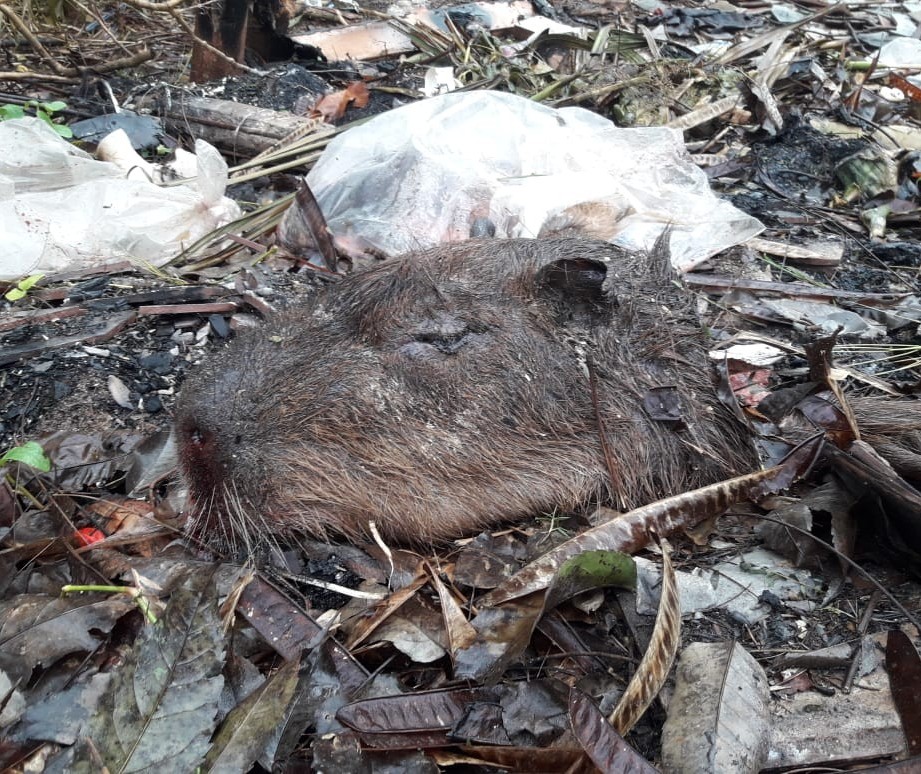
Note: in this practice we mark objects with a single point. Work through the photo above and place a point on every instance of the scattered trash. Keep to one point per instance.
(373, 40)
(61, 209)
(146, 132)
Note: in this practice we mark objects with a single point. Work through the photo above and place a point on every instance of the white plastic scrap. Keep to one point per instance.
(60, 209)
(423, 173)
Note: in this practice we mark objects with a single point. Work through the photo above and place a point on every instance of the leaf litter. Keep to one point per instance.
(85, 672)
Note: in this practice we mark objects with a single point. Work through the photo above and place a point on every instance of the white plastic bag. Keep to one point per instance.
(60, 209)
(422, 174)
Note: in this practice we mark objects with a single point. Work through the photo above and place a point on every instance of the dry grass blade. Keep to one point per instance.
(253, 224)
(301, 148)
(659, 656)
(430, 42)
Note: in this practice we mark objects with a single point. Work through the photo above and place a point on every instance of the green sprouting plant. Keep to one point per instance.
(30, 453)
(43, 110)
(22, 288)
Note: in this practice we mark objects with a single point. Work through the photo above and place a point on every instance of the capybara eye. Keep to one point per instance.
(450, 344)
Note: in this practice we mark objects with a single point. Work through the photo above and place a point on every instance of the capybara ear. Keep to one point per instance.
(580, 280)
(574, 289)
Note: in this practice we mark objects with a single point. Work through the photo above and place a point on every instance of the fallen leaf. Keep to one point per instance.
(607, 749)
(657, 661)
(459, 630)
(40, 629)
(332, 107)
(719, 717)
(421, 711)
(904, 667)
(162, 706)
(242, 736)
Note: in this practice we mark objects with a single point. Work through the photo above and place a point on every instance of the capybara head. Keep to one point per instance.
(454, 389)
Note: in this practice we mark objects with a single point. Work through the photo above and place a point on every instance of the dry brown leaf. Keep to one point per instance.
(650, 675)
(383, 610)
(461, 633)
(332, 107)
(606, 748)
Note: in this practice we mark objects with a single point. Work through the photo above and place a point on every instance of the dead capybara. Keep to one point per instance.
(450, 390)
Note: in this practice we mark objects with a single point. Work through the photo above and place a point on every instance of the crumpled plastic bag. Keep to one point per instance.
(60, 209)
(423, 174)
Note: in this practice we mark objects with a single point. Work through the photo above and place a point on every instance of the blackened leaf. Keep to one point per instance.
(12, 701)
(607, 749)
(81, 461)
(245, 730)
(488, 560)
(481, 724)
(161, 709)
(151, 461)
(503, 632)
(904, 668)
(898, 529)
(63, 716)
(830, 498)
(664, 404)
(422, 711)
(534, 711)
(40, 629)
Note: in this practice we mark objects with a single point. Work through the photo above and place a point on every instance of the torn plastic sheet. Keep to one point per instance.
(60, 209)
(422, 174)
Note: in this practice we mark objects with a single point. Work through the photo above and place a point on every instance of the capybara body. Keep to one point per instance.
(454, 389)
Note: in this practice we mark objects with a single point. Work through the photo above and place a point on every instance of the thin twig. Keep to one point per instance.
(36, 44)
(91, 12)
(861, 633)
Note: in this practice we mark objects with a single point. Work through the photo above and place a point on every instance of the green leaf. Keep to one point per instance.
(54, 107)
(590, 570)
(11, 111)
(22, 287)
(27, 283)
(30, 454)
(65, 131)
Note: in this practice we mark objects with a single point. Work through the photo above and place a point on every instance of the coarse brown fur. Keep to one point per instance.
(448, 391)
